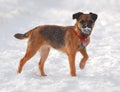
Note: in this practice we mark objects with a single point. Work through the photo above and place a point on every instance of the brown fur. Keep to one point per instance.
(70, 45)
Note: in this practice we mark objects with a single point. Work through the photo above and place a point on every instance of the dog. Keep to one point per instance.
(68, 39)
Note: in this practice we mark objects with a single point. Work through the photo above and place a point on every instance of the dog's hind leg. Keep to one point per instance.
(44, 51)
(30, 52)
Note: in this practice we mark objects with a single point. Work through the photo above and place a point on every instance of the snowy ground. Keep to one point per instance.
(102, 72)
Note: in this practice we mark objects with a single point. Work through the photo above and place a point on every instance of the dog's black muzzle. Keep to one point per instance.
(86, 28)
(86, 31)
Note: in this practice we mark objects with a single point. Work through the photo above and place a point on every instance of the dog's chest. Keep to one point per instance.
(82, 45)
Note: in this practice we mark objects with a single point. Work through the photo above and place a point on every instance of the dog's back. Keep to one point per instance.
(53, 34)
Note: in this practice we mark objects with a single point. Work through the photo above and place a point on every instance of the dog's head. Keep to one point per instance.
(85, 22)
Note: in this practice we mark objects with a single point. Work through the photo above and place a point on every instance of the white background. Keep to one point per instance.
(102, 71)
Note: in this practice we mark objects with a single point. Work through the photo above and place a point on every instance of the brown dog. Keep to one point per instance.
(68, 39)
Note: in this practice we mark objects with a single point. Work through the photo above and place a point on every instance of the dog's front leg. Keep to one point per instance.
(71, 58)
(84, 59)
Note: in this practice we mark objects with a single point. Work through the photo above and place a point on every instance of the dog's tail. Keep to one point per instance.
(23, 36)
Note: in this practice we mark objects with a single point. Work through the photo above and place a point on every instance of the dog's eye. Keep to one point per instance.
(82, 21)
(90, 21)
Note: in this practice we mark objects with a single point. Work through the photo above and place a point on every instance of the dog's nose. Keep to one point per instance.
(85, 25)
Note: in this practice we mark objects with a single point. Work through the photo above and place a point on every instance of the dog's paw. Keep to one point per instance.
(19, 70)
(73, 75)
(43, 75)
(82, 65)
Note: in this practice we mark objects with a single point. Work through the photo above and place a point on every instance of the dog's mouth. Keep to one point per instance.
(86, 31)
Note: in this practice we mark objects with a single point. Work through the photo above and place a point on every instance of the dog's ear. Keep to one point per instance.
(77, 15)
(94, 16)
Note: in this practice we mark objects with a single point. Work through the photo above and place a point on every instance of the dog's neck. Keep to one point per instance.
(76, 27)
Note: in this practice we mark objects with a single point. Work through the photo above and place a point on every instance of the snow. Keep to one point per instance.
(102, 71)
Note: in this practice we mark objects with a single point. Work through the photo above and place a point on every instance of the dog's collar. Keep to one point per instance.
(82, 38)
